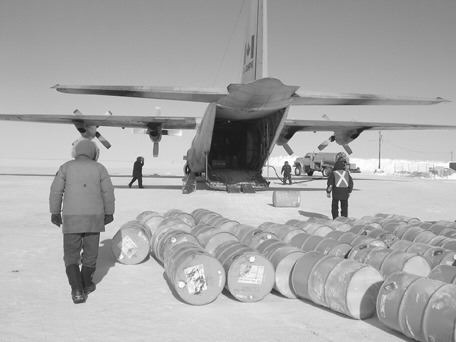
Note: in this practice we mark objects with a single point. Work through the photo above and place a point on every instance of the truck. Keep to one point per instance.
(322, 162)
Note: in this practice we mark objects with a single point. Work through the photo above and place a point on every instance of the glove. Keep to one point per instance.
(56, 219)
(328, 194)
(108, 219)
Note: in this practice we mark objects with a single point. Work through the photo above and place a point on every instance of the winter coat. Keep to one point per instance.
(340, 182)
(137, 169)
(286, 169)
(85, 188)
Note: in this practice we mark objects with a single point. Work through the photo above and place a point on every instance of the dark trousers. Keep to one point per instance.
(134, 180)
(335, 208)
(285, 177)
(75, 243)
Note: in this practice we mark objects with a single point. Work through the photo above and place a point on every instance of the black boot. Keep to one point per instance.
(75, 280)
(87, 282)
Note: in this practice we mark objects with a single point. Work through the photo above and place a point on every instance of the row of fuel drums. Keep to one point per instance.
(439, 234)
(248, 261)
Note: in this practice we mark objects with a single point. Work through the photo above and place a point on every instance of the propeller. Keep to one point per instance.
(347, 149)
(325, 143)
(332, 138)
(288, 149)
(156, 148)
(88, 131)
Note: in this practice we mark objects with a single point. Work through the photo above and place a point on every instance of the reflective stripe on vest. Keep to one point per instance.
(341, 179)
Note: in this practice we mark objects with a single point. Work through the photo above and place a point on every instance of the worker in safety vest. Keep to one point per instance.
(340, 184)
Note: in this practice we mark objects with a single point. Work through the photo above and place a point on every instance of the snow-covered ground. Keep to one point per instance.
(389, 167)
(135, 303)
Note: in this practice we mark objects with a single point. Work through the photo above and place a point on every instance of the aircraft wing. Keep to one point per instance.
(167, 122)
(329, 125)
(344, 131)
(164, 93)
(303, 98)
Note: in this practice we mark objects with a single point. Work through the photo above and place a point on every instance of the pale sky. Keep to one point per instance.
(385, 47)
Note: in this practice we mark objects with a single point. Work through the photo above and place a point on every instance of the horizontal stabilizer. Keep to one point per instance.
(164, 93)
(311, 99)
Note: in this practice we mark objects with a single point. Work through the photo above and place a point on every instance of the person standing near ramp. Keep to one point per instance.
(286, 171)
(340, 184)
(83, 192)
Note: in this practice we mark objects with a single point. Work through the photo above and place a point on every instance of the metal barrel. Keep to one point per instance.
(333, 247)
(439, 240)
(424, 237)
(448, 258)
(283, 258)
(318, 276)
(412, 233)
(390, 297)
(152, 222)
(249, 275)
(351, 288)
(171, 238)
(196, 277)
(299, 239)
(401, 245)
(311, 243)
(444, 273)
(439, 315)
(302, 271)
(360, 252)
(406, 262)
(166, 225)
(413, 305)
(335, 234)
(286, 198)
(217, 239)
(143, 216)
(131, 243)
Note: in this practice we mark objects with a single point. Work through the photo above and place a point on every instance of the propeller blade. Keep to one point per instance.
(288, 149)
(139, 131)
(155, 152)
(102, 140)
(323, 145)
(174, 132)
(347, 149)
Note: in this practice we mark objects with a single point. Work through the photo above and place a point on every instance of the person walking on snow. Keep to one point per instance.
(340, 184)
(137, 172)
(82, 192)
(286, 171)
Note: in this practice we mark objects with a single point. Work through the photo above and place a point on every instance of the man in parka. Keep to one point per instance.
(340, 184)
(137, 172)
(286, 171)
(83, 192)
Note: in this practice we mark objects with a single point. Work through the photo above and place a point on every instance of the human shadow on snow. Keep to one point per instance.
(105, 261)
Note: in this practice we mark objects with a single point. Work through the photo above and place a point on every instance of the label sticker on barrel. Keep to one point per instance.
(196, 280)
(251, 274)
(128, 247)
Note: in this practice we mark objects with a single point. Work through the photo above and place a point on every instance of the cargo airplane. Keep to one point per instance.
(241, 124)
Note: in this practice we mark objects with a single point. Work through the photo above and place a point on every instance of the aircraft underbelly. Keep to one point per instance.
(254, 100)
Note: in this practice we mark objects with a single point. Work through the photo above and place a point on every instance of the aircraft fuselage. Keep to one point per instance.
(238, 133)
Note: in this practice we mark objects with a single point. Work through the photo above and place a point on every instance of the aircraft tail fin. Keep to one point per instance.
(254, 65)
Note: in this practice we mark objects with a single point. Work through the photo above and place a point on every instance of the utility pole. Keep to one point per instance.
(379, 149)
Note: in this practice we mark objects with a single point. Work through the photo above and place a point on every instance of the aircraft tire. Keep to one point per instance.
(297, 171)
